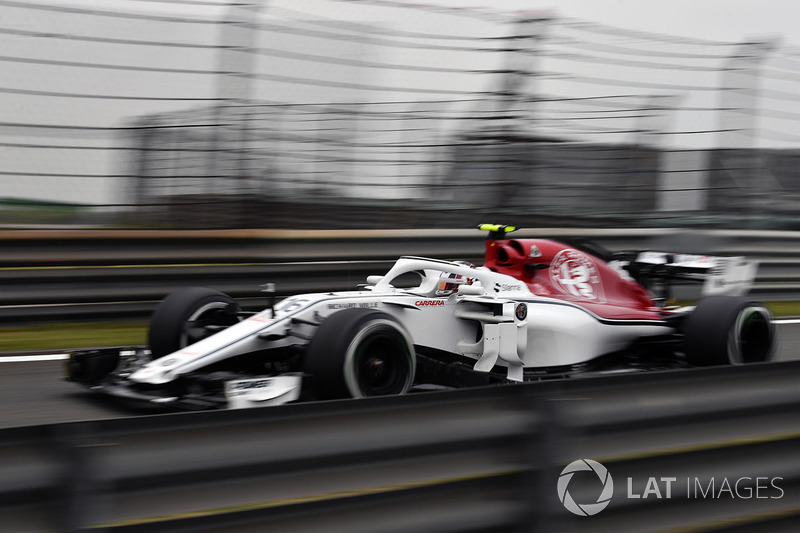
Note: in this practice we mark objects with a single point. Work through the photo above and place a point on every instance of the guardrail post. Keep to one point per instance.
(543, 439)
(79, 488)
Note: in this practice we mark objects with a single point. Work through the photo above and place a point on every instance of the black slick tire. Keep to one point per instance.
(171, 321)
(728, 330)
(357, 353)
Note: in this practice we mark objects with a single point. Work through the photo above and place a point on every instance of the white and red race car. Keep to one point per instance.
(536, 309)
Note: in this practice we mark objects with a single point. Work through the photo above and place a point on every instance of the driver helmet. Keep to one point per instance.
(449, 282)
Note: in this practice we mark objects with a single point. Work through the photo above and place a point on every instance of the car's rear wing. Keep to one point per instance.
(731, 276)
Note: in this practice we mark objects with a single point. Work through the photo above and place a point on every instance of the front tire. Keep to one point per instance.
(360, 352)
(729, 330)
(187, 316)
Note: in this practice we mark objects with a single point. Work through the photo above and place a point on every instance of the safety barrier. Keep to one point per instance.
(86, 274)
(691, 450)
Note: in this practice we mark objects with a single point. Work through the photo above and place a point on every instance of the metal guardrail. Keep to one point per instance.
(84, 274)
(485, 459)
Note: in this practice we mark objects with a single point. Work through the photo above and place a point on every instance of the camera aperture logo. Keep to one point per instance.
(588, 509)
(663, 487)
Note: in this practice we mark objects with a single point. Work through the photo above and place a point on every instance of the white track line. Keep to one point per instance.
(29, 358)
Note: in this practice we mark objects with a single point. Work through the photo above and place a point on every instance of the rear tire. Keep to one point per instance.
(729, 330)
(181, 318)
(360, 352)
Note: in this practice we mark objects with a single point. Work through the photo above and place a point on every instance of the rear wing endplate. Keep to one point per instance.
(732, 276)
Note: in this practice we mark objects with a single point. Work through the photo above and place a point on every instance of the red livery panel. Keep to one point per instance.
(557, 270)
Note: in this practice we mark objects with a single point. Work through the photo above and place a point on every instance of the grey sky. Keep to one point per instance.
(718, 20)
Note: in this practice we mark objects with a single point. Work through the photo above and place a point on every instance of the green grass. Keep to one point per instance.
(778, 309)
(72, 335)
(91, 334)
(784, 308)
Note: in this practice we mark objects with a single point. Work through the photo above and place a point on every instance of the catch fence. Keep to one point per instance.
(387, 115)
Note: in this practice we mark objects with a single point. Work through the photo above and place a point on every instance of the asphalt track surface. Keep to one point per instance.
(34, 393)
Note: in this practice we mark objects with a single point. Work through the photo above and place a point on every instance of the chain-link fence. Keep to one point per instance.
(384, 115)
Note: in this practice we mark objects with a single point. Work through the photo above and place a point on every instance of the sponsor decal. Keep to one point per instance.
(521, 311)
(574, 273)
(699, 260)
(238, 387)
(505, 287)
(535, 251)
(262, 391)
(352, 305)
(429, 303)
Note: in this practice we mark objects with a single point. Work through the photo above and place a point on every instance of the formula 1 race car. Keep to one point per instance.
(536, 309)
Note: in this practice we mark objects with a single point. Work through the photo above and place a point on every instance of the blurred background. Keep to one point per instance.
(382, 114)
(326, 114)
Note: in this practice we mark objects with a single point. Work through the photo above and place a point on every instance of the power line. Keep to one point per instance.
(58, 94)
(104, 13)
(355, 86)
(473, 13)
(189, 3)
(777, 95)
(107, 66)
(63, 175)
(60, 146)
(108, 40)
(597, 28)
(596, 80)
(359, 39)
(362, 28)
(301, 56)
(629, 50)
(594, 59)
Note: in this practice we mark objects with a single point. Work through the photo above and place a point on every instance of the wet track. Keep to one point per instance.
(33, 393)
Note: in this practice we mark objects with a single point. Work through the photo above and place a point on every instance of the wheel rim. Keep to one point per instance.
(751, 337)
(206, 315)
(380, 361)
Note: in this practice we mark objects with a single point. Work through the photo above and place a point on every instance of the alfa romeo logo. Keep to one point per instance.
(588, 509)
(574, 274)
